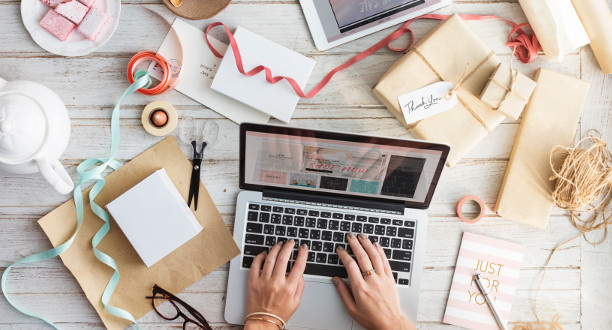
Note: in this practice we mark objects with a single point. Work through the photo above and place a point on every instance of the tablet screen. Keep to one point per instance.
(352, 14)
(340, 18)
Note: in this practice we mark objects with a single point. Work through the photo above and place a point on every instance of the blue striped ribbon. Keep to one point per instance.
(90, 170)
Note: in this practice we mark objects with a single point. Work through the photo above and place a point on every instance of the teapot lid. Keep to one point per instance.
(23, 127)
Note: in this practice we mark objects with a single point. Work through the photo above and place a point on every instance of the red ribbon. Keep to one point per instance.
(524, 46)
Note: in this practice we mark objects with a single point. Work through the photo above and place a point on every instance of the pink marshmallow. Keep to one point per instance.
(72, 10)
(93, 23)
(52, 3)
(87, 3)
(57, 25)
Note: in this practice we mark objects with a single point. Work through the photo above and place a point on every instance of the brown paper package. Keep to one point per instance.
(210, 249)
(505, 96)
(449, 48)
(550, 119)
(596, 17)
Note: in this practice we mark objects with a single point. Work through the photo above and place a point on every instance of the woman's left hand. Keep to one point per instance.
(270, 291)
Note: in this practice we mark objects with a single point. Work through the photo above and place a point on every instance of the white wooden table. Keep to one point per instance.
(577, 285)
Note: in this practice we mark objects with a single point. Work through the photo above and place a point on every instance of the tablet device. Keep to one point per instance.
(334, 22)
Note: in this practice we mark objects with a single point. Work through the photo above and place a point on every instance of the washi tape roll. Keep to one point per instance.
(468, 199)
(159, 118)
(166, 84)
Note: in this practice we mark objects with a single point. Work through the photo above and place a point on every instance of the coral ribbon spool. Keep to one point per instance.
(166, 84)
(480, 205)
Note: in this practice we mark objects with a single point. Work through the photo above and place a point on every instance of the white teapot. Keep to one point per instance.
(34, 132)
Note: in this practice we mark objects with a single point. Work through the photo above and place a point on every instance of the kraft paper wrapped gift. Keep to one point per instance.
(443, 55)
(550, 119)
(508, 91)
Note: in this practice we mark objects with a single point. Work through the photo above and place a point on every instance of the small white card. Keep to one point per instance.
(198, 70)
(278, 100)
(427, 101)
(154, 217)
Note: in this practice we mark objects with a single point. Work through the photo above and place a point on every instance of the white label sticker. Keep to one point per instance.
(427, 101)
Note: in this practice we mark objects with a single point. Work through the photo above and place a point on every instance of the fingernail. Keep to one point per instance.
(376, 244)
(363, 236)
(291, 241)
(351, 235)
(335, 280)
(340, 248)
(281, 243)
(305, 246)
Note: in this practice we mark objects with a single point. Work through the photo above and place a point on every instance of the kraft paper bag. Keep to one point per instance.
(443, 55)
(550, 119)
(207, 251)
(596, 17)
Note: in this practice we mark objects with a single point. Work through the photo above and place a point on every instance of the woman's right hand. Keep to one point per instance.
(372, 300)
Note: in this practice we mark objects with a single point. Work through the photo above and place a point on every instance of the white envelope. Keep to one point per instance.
(278, 100)
(198, 70)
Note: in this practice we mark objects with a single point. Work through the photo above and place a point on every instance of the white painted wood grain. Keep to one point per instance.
(575, 285)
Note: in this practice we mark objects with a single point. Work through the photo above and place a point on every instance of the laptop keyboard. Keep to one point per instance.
(323, 232)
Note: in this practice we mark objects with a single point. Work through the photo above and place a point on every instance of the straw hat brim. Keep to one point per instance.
(198, 9)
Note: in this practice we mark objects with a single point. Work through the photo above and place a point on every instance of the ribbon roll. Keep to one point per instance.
(167, 122)
(166, 84)
(478, 201)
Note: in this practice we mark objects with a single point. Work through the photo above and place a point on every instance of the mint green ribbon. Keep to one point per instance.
(89, 170)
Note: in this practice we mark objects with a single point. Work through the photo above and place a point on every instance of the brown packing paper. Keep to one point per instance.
(210, 249)
(596, 17)
(506, 94)
(449, 48)
(550, 119)
(556, 25)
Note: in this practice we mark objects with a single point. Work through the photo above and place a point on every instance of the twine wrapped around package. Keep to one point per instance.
(584, 185)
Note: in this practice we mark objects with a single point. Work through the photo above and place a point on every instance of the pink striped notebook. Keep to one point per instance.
(499, 263)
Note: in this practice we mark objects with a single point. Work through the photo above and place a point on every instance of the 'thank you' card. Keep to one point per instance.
(499, 263)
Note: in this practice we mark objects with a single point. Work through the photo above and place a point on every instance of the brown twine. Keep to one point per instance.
(457, 86)
(584, 185)
(509, 91)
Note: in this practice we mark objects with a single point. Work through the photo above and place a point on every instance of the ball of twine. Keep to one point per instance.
(584, 183)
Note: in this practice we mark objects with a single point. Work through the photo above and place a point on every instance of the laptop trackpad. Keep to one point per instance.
(321, 308)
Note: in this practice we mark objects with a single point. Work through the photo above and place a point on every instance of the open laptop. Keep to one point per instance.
(315, 187)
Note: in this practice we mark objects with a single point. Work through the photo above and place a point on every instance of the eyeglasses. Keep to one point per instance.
(173, 311)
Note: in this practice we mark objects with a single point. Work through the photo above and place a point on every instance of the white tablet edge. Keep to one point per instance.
(320, 40)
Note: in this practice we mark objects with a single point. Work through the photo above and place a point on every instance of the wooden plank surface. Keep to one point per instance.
(576, 284)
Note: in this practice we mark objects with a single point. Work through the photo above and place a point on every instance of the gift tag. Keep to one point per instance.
(427, 101)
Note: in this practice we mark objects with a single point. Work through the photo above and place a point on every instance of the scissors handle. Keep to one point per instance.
(196, 154)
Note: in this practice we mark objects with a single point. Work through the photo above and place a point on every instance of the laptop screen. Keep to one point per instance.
(340, 164)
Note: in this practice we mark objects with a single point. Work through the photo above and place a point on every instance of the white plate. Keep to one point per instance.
(32, 11)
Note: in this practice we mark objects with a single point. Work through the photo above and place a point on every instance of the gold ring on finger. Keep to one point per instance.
(368, 272)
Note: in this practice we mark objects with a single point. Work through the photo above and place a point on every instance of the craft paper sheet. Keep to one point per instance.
(199, 68)
(596, 17)
(556, 25)
(278, 100)
(210, 249)
(499, 263)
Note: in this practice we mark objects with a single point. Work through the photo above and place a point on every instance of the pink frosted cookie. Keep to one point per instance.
(72, 10)
(57, 25)
(52, 3)
(87, 3)
(93, 23)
